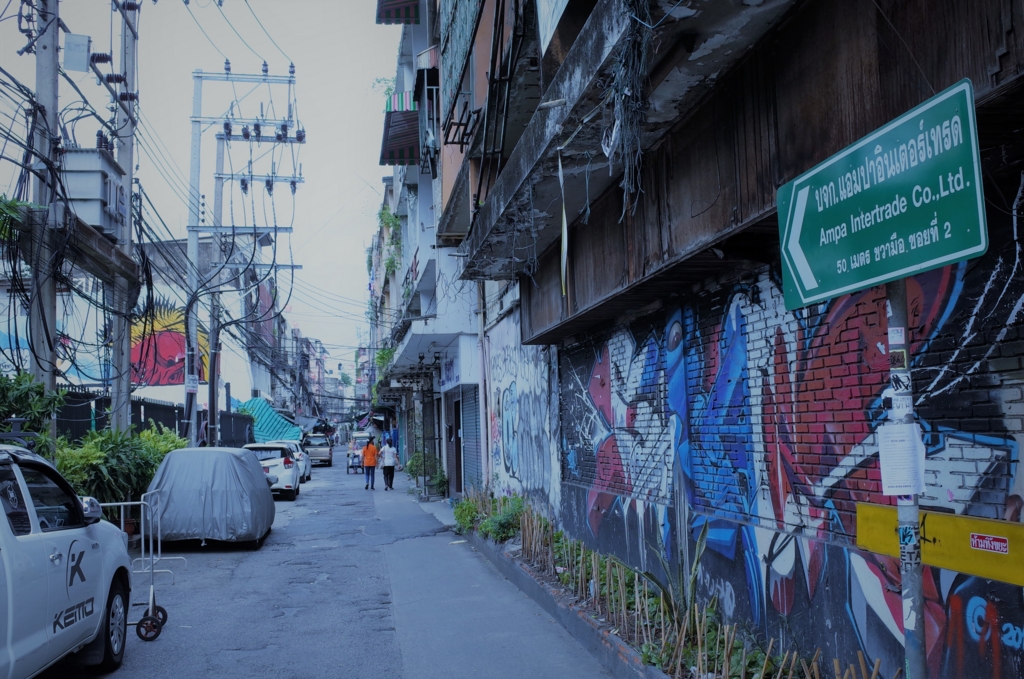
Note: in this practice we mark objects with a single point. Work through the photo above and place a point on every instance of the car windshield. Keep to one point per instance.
(271, 453)
(316, 441)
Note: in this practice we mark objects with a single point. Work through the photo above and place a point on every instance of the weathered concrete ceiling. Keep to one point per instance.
(693, 44)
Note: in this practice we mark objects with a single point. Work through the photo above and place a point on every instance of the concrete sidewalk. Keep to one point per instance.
(457, 616)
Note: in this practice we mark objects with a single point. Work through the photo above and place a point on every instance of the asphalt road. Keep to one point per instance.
(350, 583)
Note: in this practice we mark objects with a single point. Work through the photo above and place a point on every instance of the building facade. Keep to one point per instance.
(607, 174)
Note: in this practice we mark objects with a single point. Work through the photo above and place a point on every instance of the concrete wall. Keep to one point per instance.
(724, 408)
(522, 415)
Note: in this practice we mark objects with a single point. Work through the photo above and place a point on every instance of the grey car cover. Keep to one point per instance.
(212, 494)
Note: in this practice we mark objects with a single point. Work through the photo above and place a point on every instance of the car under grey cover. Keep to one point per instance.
(213, 494)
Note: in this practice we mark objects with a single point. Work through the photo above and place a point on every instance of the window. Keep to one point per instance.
(13, 502)
(56, 509)
(271, 453)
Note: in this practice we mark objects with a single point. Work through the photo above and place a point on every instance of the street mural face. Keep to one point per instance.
(524, 451)
(158, 347)
(761, 423)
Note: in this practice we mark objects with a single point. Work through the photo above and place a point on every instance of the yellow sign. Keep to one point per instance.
(982, 547)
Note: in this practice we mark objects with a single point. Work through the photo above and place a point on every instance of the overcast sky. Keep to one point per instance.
(338, 51)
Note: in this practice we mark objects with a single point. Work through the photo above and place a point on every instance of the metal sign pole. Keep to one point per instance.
(909, 528)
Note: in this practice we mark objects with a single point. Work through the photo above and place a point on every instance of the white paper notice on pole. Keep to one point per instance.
(901, 455)
(191, 384)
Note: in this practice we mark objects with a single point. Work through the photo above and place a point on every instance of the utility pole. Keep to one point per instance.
(192, 351)
(213, 431)
(908, 516)
(45, 134)
(120, 401)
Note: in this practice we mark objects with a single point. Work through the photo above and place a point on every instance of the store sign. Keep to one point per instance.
(905, 199)
(191, 384)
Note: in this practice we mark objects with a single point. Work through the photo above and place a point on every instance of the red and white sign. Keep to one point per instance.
(990, 543)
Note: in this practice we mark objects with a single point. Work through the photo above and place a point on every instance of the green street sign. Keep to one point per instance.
(907, 198)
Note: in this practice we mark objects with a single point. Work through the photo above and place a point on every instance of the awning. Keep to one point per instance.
(398, 11)
(401, 142)
(268, 424)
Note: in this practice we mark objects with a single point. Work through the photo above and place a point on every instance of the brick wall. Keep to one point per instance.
(733, 412)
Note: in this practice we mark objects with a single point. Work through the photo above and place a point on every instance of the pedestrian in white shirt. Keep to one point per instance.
(388, 460)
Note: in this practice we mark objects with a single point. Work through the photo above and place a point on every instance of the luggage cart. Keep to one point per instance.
(149, 626)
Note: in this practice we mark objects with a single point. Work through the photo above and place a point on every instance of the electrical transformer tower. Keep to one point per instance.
(212, 282)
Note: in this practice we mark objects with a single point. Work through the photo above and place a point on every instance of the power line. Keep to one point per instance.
(266, 32)
(208, 38)
(221, 10)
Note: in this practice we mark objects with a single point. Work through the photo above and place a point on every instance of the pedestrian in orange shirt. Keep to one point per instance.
(370, 464)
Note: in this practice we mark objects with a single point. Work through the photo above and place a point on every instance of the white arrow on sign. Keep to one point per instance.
(799, 259)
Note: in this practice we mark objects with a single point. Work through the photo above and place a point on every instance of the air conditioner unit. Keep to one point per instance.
(95, 188)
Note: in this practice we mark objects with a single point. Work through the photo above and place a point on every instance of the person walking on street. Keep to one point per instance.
(370, 463)
(388, 460)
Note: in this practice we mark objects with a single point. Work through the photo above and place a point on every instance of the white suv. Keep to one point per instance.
(65, 575)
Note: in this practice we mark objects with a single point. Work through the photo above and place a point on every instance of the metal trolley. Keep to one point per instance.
(154, 617)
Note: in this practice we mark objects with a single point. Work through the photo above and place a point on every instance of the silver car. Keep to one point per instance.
(318, 448)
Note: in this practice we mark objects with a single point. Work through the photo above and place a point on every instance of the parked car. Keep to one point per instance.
(213, 494)
(300, 456)
(278, 459)
(319, 449)
(65, 575)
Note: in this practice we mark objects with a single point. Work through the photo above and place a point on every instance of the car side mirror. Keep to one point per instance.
(91, 510)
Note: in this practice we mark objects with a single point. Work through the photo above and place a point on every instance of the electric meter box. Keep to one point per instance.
(95, 189)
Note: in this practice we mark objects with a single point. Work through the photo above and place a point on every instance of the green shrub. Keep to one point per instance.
(23, 396)
(414, 466)
(115, 466)
(503, 524)
(160, 440)
(466, 515)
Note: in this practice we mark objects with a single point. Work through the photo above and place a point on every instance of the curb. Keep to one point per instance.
(621, 659)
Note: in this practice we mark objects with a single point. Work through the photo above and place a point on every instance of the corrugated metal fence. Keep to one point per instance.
(83, 412)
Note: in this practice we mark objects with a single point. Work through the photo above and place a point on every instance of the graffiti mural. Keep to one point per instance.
(760, 424)
(618, 442)
(158, 347)
(523, 448)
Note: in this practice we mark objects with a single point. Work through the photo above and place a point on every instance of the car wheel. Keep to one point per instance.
(115, 627)
(330, 463)
(291, 495)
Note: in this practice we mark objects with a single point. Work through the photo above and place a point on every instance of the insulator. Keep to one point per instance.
(227, 127)
(300, 135)
(279, 136)
(113, 78)
(291, 69)
(257, 130)
(131, 6)
(245, 132)
(244, 185)
(101, 140)
(266, 69)
(99, 58)
(227, 66)
(128, 96)
(293, 185)
(284, 130)
(270, 186)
